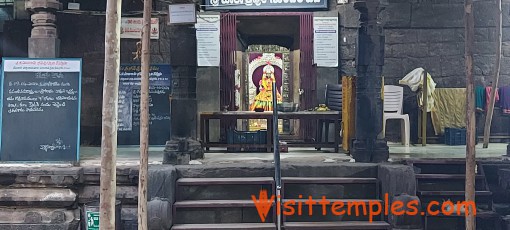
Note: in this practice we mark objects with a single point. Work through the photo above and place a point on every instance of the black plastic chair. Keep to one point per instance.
(333, 102)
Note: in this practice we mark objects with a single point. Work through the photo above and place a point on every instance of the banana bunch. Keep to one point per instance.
(321, 108)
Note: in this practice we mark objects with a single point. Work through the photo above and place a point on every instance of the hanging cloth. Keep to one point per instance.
(504, 102)
(488, 91)
(414, 80)
(480, 98)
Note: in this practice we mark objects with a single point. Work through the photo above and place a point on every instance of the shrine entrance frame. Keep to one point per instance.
(307, 70)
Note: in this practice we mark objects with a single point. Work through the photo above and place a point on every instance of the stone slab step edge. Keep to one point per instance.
(225, 181)
(328, 180)
(40, 197)
(351, 225)
(445, 176)
(230, 226)
(214, 204)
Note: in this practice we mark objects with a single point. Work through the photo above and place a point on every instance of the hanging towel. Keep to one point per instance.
(480, 98)
(488, 90)
(504, 102)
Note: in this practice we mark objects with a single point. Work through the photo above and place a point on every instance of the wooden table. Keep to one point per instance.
(231, 117)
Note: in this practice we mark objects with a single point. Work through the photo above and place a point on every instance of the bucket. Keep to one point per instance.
(91, 212)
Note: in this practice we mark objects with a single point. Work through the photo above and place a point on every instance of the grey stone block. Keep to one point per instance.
(483, 64)
(161, 182)
(43, 47)
(431, 64)
(452, 65)
(348, 16)
(437, 15)
(37, 197)
(160, 214)
(446, 49)
(67, 226)
(289, 170)
(40, 177)
(397, 15)
(481, 48)
(393, 68)
(125, 194)
(407, 221)
(484, 13)
(30, 215)
(398, 36)
(397, 179)
(126, 175)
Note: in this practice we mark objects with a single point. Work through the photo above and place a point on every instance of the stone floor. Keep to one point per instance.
(128, 155)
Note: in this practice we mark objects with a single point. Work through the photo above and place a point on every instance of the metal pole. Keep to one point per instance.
(144, 117)
(276, 149)
(109, 121)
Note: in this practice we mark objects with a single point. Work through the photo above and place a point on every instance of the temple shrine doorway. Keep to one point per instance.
(252, 43)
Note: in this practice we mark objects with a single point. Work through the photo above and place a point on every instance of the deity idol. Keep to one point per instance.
(264, 99)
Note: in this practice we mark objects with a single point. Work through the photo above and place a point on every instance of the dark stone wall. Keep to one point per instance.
(430, 34)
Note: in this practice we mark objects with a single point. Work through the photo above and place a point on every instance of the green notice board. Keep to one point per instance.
(92, 220)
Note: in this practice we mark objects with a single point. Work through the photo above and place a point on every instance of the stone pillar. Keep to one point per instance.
(183, 145)
(369, 146)
(43, 42)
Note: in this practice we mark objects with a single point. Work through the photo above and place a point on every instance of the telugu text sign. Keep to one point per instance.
(40, 117)
(325, 42)
(208, 40)
(132, 28)
(128, 123)
(265, 4)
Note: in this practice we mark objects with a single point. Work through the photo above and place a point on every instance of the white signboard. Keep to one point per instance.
(182, 13)
(132, 28)
(208, 40)
(325, 41)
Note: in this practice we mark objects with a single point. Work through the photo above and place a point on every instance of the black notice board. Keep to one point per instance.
(40, 117)
(129, 104)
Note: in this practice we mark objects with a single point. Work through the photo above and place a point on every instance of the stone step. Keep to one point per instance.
(218, 212)
(66, 226)
(330, 187)
(228, 188)
(328, 180)
(351, 225)
(40, 176)
(37, 197)
(224, 181)
(27, 215)
(231, 226)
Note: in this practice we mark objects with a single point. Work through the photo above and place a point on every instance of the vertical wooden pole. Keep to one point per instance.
(144, 117)
(425, 98)
(497, 68)
(109, 120)
(470, 112)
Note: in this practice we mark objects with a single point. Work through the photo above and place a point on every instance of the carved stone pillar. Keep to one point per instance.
(369, 146)
(43, 42)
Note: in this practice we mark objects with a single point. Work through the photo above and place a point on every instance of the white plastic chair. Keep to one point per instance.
(393, 100)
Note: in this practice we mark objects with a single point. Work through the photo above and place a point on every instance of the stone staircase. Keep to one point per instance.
(38, 198)
(226, 203)
(221, 203)
(445, 180)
